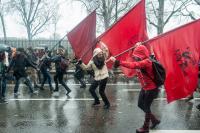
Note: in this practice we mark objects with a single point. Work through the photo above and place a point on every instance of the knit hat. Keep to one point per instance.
(141, 52)
(96, 51)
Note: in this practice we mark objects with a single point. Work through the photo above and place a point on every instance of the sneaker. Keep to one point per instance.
(83, 86)
(198, 107)
(34, 92)
(16, 94)
(41, 88)
(68, 92)
(3, 101)
(106, 106)
(96, 103)
(55, 94)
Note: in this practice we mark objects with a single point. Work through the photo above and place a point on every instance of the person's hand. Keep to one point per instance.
(138, 44)
(113, 59)
(80, 62)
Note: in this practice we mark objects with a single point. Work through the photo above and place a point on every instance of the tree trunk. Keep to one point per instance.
(160, 17)
(3, 26)
(116, 10)
(29, 32)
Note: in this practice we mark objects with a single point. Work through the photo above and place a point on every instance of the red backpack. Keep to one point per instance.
(64, 64)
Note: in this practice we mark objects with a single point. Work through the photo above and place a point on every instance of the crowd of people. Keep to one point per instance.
(20, 61)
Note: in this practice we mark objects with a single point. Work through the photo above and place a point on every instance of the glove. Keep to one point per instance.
(116, 64)
(80, 62)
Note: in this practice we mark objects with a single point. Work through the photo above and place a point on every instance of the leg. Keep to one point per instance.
(43, 80)
(141, 99)
(56, 82)
(28, 83)
(49, 80)
(16, 85)
(60, 78)
(102, 87)
(148, 97)
(93, 93)
(83, 84)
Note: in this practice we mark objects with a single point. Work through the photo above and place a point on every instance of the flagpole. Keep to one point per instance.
(58, 42)
(142, 43)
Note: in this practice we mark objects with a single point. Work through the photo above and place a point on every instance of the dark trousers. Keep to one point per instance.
(59, 77)
(46, 77)
(102, 86)
(146, 98)
(3, 86)
(27, 82)
(83, 84)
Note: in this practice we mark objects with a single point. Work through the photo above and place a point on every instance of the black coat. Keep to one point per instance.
(19, 64)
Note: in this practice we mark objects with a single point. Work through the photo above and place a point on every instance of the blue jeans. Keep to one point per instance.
(3, 86)
(46, 76)
(27, 82)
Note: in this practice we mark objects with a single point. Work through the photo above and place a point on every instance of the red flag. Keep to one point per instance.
(83, 38)
(130, 29)
(178, 51)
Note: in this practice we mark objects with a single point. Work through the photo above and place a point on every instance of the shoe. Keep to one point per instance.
(16, 94)
(68, 92)
(34, 92)
(41, 88)
(198, 107)
(155, 124)
(83, 86)
(36, 86)
(3, 101)
(106, 106)
(96, 103)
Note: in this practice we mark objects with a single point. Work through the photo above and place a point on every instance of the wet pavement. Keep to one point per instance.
(44, 113)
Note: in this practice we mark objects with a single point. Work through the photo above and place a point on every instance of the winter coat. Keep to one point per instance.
(99, 74)
(145, 64)
(19, 64)
(57, 60)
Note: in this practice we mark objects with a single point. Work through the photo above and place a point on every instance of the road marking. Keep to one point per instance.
(53, 99)
(122, 84)
(175, 131)
(163, 99)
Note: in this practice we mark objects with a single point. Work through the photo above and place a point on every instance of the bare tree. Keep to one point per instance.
(159, 16)
(55, 19)
(189, 10)
(3, 10)
(35, 14)
(108, 11)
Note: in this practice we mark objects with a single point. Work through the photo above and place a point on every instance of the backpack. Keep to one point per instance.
(64, 63)
(159, 73)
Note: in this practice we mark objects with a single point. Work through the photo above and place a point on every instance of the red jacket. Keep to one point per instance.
(146, 64)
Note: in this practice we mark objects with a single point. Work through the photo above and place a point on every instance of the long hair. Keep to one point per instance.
(99, 62)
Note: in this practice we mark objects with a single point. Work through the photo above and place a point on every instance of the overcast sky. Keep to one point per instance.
(71, 15)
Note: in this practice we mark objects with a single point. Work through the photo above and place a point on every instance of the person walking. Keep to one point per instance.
(149, 90)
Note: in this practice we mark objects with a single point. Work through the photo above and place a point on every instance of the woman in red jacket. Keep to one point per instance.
(149, 91)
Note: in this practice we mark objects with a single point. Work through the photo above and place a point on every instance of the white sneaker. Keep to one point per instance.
(35, 92)
(16, 94)
(56, 94)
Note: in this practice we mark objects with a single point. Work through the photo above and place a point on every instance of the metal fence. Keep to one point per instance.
(23, 43)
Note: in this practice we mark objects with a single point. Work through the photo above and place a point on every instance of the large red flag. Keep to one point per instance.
(179, 52)
(83, 38)
(130, 29)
